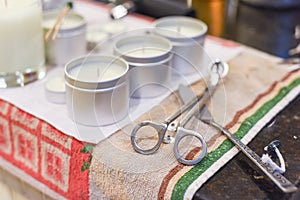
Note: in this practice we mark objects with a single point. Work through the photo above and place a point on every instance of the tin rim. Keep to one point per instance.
(157, 42)
(53, 14)
(78, 62)
(161, 62)
(159, 25)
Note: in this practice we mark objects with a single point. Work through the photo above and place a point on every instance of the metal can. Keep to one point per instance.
(97, 90)
(70, 41)
(187, 36)
(149, 58)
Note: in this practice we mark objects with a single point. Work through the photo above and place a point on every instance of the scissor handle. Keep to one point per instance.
(161, 130)
(181, 133)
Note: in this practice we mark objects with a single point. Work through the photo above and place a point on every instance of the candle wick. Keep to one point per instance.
(98, 73)
(143, 50)
(5, 3)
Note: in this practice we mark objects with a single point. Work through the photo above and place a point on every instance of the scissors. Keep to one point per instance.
(171, 124)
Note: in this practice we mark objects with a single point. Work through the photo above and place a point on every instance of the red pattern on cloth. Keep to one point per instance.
(43, 152)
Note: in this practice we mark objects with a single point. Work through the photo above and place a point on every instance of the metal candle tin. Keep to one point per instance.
(97, 90)
(149, 58)
(71, 39)
(187, 36)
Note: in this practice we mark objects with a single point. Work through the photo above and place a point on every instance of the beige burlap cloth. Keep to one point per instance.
(253, 92)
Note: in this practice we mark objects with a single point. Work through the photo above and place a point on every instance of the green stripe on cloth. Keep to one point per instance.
(186, 180)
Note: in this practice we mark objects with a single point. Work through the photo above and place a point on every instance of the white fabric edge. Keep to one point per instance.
(29, 179)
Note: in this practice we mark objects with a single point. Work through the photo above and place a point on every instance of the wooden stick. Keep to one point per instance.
(58, 25)
(55, 28)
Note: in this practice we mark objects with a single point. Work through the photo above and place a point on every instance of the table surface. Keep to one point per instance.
(271, 31)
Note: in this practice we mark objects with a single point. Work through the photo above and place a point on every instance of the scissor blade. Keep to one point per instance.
(204, 115)
(209, 90)
(186, 94)
(186, 106)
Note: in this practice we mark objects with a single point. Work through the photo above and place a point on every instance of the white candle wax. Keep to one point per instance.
(21, 36)
(114, 27)
(55, 89)
(96, 72)
(180, 27)
(96, 36)
(143, 47)
(69, 21)
(145, 52)
(181, 30)
(56, 84)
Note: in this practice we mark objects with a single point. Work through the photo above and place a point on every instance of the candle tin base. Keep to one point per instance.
(21, 78)
(97, 107)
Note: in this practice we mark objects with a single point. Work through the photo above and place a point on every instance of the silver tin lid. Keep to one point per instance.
(143, 49)
(96, 72)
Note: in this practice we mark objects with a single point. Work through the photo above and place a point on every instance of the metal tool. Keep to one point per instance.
(273, 152)
(284, 184)
(153, 8)
(122, 10)
(171, 125)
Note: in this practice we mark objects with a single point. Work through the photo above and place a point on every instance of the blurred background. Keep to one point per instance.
(268, 25)
(272, 26)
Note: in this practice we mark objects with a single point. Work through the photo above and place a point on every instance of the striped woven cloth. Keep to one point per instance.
(254, 91)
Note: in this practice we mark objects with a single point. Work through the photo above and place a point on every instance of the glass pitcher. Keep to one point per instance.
(22, 58)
